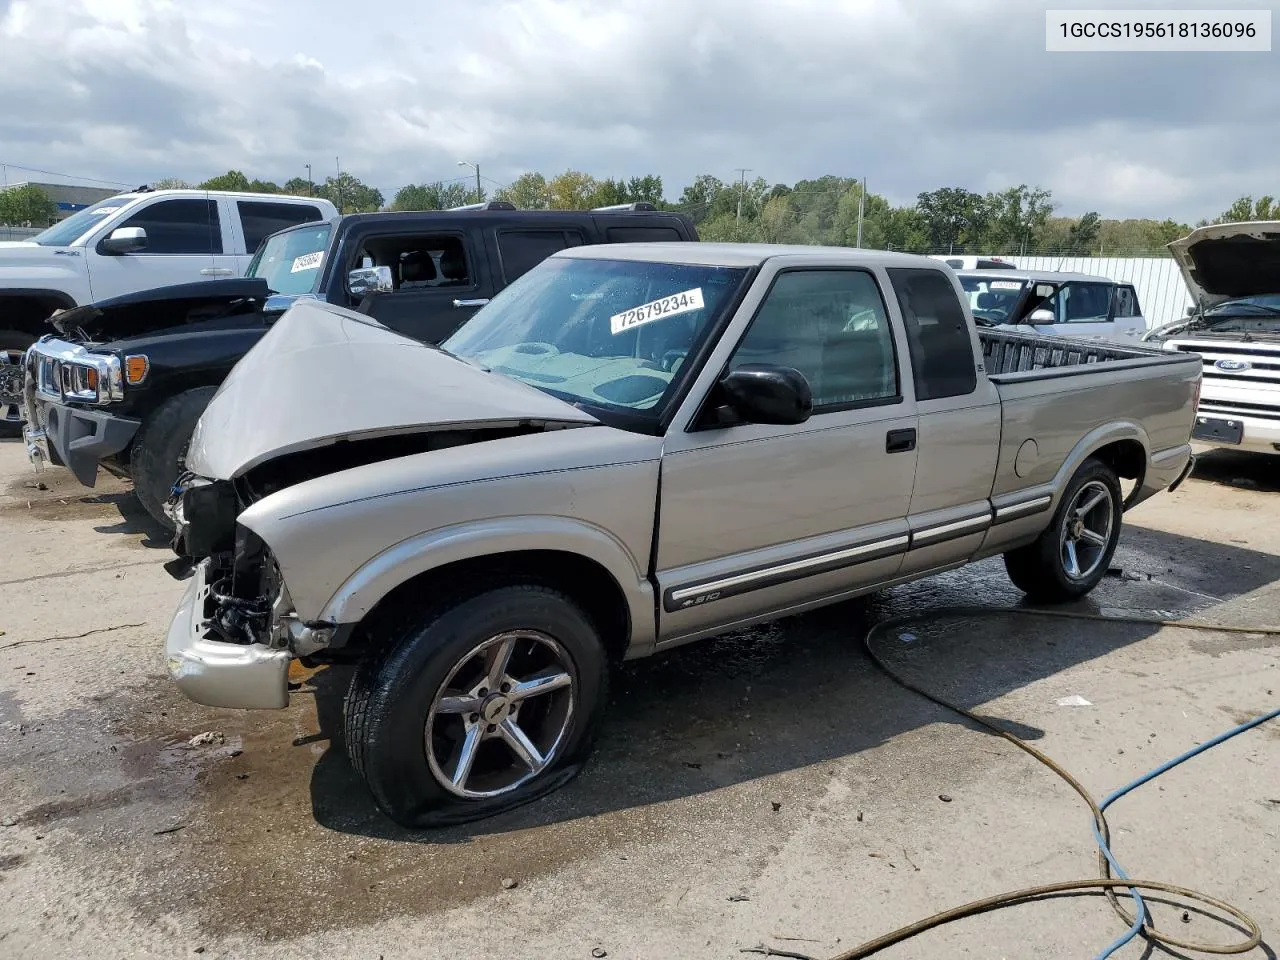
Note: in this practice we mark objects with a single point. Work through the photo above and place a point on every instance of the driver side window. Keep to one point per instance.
(830, 325)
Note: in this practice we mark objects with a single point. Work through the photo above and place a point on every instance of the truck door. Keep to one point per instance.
(758, 518)
(441, 278)
(184, 241)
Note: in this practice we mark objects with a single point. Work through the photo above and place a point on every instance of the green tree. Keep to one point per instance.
(231, 180)
(647, 189)
(299, 187)
(430, 196)
(1246, 209)
(706, 197)
(609, 192)
(27, 205)
(171, 183)
(1013, 219)
(263, 186)
(527, 192)
(572, 190)
(349, 195)
(952, 217)
(1083, 234)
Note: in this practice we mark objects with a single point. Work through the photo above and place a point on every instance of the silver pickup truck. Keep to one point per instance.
(630, 448)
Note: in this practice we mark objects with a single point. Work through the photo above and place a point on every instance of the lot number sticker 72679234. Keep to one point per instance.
(656, 310)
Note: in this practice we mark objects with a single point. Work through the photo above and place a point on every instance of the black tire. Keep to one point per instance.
(158, 449)
(14, 344)
(1040, 569)
(396, 685)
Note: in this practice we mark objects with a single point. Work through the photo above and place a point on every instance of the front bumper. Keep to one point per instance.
(80, 438)
(214, 672)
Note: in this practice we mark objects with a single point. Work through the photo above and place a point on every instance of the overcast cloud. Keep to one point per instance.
(913, 95)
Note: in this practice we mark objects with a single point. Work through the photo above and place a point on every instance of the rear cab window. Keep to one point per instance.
(942, 358)
(259, 219)
(521, 250)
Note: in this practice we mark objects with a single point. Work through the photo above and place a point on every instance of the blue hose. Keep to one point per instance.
(1141, 919)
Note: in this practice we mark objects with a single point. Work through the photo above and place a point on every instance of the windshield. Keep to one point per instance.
(612, 335)
(290, 261)
(1264, 304)
(990, 299)
(65, 232)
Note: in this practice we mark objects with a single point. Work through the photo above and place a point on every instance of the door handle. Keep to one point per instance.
(216, 272)
(470, 303)
(900, 441)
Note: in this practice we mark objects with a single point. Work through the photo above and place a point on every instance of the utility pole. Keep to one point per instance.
(862, 197)
(337, 184)
(742, 188)
(311, 192)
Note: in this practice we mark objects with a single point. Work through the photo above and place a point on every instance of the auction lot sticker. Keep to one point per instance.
(1145, 31)
(308, 261)
(656, 310)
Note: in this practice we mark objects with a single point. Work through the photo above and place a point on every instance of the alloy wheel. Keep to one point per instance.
(1086, 532)
(502, 714)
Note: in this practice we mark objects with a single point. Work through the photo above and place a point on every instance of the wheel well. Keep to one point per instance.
(584, 581)
(26, 313)
(1128, 458)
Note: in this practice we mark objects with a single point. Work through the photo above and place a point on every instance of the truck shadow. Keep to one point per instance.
(1235, 468)
(803, 691)
(134, 521)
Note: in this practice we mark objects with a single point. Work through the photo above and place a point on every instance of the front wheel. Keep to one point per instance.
(160, 447)
(477, 706)
(1071, 557)
(12, 347)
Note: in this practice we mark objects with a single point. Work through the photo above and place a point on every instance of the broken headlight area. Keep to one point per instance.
(204, 520)
(246, 601)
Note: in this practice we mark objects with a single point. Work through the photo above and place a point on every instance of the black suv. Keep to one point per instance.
(125, 380)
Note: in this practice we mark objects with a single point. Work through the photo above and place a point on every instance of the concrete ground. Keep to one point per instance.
(769, 788)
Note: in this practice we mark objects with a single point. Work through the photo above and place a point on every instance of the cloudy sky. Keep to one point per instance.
(912, 94)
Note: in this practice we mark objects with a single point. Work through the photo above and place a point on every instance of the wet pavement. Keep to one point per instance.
(770, 786)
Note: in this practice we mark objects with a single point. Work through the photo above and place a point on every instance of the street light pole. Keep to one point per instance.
(476, 167)
(862, 198)
(311, 191)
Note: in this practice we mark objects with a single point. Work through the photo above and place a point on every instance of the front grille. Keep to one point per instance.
(1234, 408)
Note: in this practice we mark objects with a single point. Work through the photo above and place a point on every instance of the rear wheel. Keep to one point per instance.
(477, 706)
(160, 446)
(12, 346)
(1071, 557)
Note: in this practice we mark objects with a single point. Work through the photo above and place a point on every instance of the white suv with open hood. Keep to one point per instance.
(1233, 272)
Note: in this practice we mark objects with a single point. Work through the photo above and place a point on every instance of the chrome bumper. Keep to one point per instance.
(216, 673)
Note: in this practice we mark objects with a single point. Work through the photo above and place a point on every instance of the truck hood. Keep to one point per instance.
(1229, 260)
(147, 311)
(324, 374)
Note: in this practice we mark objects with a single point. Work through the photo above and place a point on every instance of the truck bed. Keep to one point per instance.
(1010, 353)
(1055, 391)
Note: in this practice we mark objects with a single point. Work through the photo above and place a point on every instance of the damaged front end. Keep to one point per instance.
(235, 632)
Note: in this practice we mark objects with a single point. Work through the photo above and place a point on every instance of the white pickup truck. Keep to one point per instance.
(127, 243)
(1233, 272)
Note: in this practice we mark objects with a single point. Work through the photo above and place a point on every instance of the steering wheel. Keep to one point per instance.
(672, 358)
(537, 348)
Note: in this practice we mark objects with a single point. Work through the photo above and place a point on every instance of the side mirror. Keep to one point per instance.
(1041, 316)
(124, 240)
(764, 393)
(366, 280)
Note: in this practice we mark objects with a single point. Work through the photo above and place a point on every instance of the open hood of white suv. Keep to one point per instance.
(1229, 260)
(324, 374)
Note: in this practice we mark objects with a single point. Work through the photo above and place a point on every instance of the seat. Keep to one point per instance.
(453, 266)
(417, 269)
